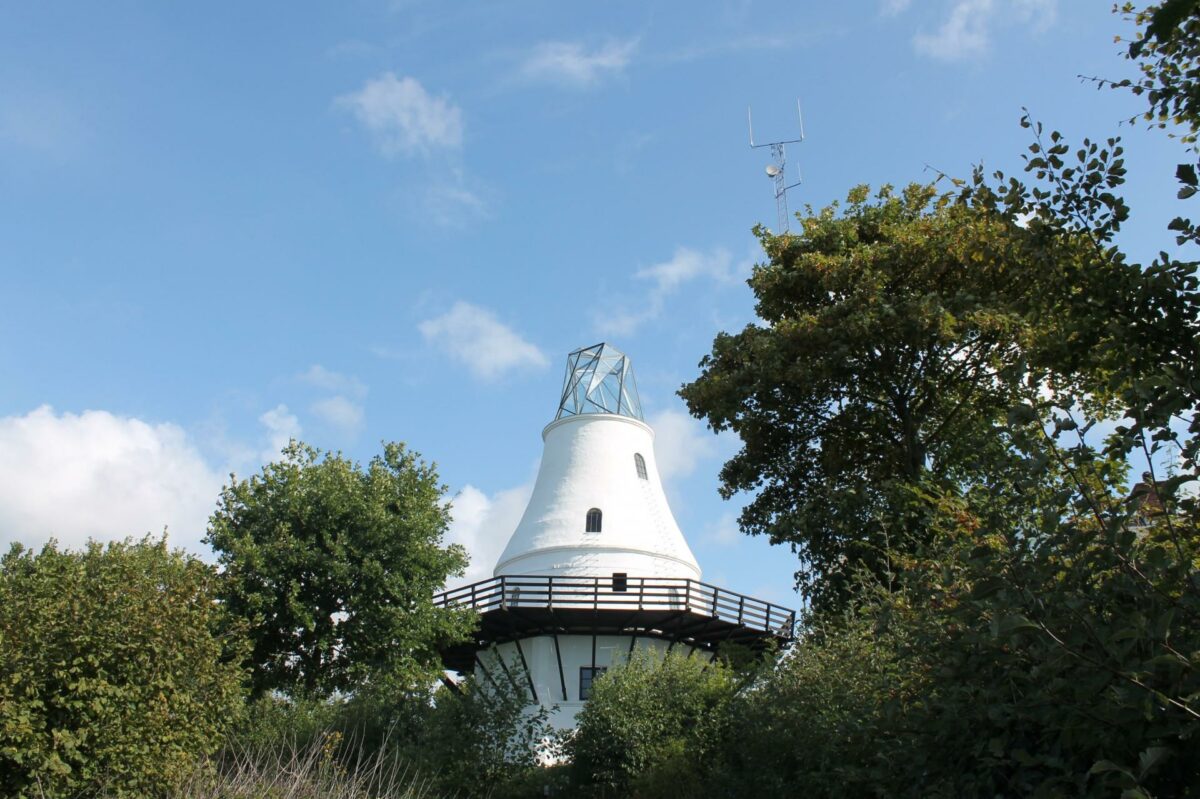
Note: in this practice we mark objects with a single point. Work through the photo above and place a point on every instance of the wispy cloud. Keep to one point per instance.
(403, 118)
(665, 278)
(574, 65)
(320, 377)
(340, 412)
(448, 203)
(723, 530)
(890, 8)
(282, 426)
(477, 339)
(966, 31)
(343, 410)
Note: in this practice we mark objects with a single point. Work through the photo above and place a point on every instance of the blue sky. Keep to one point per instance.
(226, 224)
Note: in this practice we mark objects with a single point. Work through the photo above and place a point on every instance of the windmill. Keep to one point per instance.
(597, 567)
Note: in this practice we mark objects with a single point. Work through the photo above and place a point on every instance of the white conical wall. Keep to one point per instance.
(590, 462)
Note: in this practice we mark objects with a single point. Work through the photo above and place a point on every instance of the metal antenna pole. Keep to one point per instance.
(777, 170)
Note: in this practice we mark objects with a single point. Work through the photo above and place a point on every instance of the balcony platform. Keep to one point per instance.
(686, 612)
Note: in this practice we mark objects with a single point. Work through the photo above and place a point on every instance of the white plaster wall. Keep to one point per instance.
(576, 653)
(588, 462)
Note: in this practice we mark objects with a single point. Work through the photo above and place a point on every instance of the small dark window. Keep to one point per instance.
(587, 674)
(640, 463)
(620, 582)
(593, 521)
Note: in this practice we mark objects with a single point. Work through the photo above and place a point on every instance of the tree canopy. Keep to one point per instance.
(334, 566)
(895, 334)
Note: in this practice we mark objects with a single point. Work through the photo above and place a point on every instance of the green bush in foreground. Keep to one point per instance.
(114, 673)
(653, 727)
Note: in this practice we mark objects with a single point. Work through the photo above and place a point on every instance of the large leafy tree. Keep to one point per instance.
(118, 669)
(894, 335)
(334, 567)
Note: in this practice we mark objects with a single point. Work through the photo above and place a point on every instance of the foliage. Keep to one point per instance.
(828, 716)
(275, 723)
(117, 669)
(895, 335)
(653, 727)
(333, 567)
(483, 740)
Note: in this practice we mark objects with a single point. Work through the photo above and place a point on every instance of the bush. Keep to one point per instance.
(115, 675)
(484, 740)
(654, 726)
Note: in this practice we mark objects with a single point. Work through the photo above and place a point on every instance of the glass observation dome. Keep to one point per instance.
(599, 379)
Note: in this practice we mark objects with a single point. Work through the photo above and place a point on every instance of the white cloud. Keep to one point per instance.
(572, 64)
(282, 427)
(483, 525)
(966, 32)
(680, 443)
(475, 337)
(94, 474)
(685, 265)
(340, 412)
(403, 118)
(665, 278)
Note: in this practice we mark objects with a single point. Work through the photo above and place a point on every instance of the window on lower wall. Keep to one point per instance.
(586, 675)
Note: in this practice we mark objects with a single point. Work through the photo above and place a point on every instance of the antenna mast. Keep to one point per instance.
(777, 170)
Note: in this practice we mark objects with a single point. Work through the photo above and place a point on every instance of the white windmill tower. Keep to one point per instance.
(597, 565)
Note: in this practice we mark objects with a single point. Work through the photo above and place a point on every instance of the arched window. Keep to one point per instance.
(593, 521)
(640, 463)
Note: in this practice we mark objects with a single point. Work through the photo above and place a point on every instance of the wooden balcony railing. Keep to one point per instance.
(516, 592)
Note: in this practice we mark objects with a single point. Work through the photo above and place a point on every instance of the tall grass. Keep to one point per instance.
(312, 771)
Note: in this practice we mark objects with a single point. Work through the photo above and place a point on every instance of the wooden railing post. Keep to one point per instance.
(595, 593)
(504, 593)
(741, 608)
(550, 591)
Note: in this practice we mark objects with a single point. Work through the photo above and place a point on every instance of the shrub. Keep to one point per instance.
(115, 674)
(484, 740)
(653, 727)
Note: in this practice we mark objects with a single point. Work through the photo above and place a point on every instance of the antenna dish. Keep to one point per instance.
(773, 170)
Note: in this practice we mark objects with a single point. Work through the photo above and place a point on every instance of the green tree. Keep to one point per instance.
(334, 567)
(895, 335)
(118, 670)
(653, 727)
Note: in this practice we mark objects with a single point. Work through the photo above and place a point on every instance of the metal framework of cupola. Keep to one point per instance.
(599, 379)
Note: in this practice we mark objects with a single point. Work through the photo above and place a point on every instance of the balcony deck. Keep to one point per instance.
(687, 612)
